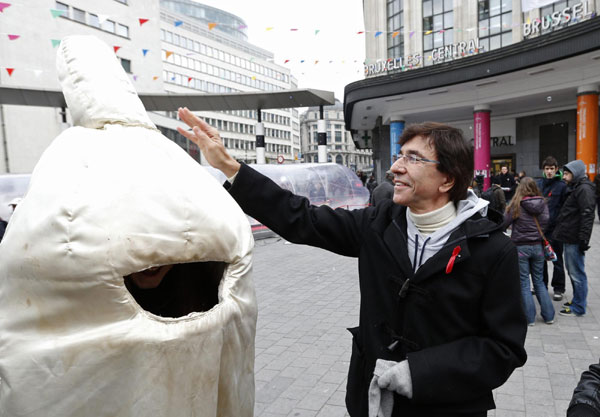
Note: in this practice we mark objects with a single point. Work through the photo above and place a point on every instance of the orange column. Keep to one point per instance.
(587, 128)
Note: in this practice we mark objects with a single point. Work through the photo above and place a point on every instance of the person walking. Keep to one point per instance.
(441, 324)
(526, 211)
(371, 185)
(554, 190)
(385, 190)
(574, 228)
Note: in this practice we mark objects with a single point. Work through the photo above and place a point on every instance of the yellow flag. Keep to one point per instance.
(211, 26)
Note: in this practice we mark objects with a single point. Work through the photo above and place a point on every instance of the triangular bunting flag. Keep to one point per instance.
(169, 53)
(55, 42)
(428, 32)
(135, 78)
(190, 79)
(302, 61)
(360, 32)
(142, 21)
(253, 77)
(317, 31)
(13, 37)
(4, 6)
(178, 23)
(211, 26)
(155, 78)
(286, 61)
(316, 62)
(269, 28)
(378, 33)
(294, 30)
(395, 34)
(56, 13)
(10, 71)
(145, 51)
(116, 48)
(242, 27)
(411, 34)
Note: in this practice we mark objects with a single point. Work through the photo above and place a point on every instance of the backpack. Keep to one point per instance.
(490, 196)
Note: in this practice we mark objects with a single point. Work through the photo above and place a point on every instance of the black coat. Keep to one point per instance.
(462, 328)
(554, 191)
(576, 217)
(586, 397)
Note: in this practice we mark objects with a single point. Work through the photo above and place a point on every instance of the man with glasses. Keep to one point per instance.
(441, 323)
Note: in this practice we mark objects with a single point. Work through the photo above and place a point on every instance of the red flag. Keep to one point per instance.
(10, 71)
(116, 48)
(4, 6)
(286, 61)
(189, 79)
(142, 21)
(13, 37)
(360, 32)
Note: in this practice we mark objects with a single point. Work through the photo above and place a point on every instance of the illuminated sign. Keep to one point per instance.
(558, 18)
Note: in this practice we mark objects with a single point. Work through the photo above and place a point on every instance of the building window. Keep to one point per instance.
(93, 20)
(338, 136)
(122, 30)
(78, 15)
(109, 26)
(395, 27)
(63, 8)
(438, 24)
(126, 64)
(495, 24)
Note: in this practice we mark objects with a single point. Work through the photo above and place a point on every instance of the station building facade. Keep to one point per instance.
(164, 46)
(340, 147)
(519, 77)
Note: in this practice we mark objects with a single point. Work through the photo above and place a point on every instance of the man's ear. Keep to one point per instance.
(447, 185)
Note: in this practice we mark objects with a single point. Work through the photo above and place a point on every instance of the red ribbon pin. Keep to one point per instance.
(450, 265)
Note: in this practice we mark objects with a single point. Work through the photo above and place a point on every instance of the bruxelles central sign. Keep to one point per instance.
(453, 51)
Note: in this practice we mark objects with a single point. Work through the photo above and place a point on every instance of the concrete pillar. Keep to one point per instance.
(587, 128)
(481, 127)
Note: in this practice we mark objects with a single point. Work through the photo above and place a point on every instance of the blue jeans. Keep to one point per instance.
(575, 262)
(531, 260)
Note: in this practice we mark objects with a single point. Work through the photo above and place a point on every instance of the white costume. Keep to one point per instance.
(108, 198)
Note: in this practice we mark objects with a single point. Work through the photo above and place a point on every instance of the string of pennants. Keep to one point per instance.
(55, 13)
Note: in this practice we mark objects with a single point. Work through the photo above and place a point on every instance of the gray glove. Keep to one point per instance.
(381, 402)
(396, 378)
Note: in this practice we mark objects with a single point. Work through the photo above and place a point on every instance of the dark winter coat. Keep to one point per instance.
(576, 218)
(554, 191)
(524, 229)
(507, 181)
(586, 398)
(384, 191)
(460, 324)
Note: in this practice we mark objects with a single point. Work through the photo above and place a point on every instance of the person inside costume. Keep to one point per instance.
(125, 285)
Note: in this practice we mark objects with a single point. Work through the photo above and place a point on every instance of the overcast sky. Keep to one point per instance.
(338, 22)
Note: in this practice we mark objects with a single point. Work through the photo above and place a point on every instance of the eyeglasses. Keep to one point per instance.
(413, 159)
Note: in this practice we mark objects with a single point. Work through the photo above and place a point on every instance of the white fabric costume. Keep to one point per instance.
(108, 198)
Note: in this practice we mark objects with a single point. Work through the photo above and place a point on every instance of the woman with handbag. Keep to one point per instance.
(528, 214)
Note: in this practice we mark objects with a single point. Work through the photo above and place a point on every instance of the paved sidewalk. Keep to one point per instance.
(307, 298)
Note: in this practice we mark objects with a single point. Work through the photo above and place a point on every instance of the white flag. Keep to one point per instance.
(527, 5)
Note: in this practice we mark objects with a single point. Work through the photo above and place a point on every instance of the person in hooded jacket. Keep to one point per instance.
(585, 401)
(554, 190)
(525, 208)
(574, 228)
(441, 323)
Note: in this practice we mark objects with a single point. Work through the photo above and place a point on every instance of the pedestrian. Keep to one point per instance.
(527, 213)
(385, 190)
(554, 190)
(362, 176)
(441, 323)
(495, 195)
(597, 184)
(507, 182)
(371, 184)
(574, 228)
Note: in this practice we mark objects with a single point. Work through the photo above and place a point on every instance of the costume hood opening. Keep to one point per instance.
(109, 198)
